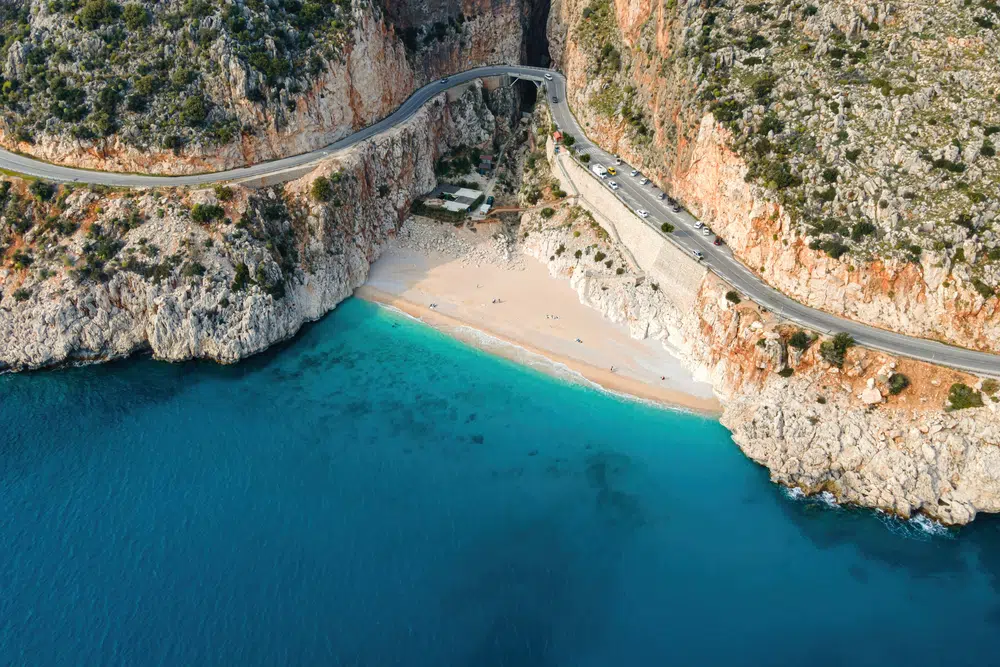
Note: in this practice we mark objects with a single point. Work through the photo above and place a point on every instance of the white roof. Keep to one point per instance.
(455, 206)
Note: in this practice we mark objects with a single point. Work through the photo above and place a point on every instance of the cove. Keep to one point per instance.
(374, 493)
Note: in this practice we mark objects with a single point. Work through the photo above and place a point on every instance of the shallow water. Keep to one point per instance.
(374, 493)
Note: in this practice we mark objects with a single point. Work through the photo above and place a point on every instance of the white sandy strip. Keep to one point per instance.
(533, 311)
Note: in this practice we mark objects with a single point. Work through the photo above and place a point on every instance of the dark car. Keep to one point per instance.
(717, 241)
(662, 196)
(489, 200)
(444, 80)
(555, 99)
(675, 208)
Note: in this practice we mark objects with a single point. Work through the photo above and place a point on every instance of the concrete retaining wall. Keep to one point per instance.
(676, 272)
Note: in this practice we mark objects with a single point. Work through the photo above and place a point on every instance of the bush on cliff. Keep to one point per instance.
(547, 212)
(205, 213)
(962, 396)
(834, 350)
(733, 297)
(897, 383)
(800, 340)
(322, 189)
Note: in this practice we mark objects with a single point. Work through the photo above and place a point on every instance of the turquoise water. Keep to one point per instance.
(374, 493)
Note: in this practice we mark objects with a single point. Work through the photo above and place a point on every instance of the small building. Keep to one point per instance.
(557, 136)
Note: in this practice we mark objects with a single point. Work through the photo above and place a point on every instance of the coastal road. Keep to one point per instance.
(718, 258)
(722, 262)
(39, 169)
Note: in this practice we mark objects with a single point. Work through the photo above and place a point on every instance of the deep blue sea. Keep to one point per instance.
(374, 494)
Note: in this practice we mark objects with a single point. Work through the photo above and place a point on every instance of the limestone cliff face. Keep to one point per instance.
(639, 76)
(813, 426)
(377, 65)
(217, 274)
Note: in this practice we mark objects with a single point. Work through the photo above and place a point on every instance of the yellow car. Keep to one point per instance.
(612, 171)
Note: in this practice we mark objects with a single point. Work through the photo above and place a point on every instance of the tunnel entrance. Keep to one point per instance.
(536, 48)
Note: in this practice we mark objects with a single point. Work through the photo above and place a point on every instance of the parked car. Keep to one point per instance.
(635, 172)
(643, 181)
(612, 185)
(548, 77)
(643, 213)
(705, 231)
(618, 160)
(662, 196)
(675, 208)
(555, 99)
(489, 200)
(698, 224)
(697, 255)
(444, 80)
(717, 241)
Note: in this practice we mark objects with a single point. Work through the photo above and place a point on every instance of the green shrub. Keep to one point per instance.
(984, 290)
(192, 269)
(853, 154)
(834, 350)
(599, 256)
(962, 396)
(585, 158)
(136, 17)
(194, 111)
(96, 13)
(205, 213)
(732, 296)
(322, 189)
(990, 386)
(861, 230)
(42, 190)
(241, 279)
(897, 383)
(786, 372)
(568, 140)
(547, 212)
(578, 254)
(800, 340)
(21, 295)
(223, 192)
(830, 174)
(666, 228)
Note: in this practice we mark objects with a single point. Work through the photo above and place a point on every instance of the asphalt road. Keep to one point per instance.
(718, 258)
(52, 172)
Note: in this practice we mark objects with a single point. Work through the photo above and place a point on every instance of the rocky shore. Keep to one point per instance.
(218, 274)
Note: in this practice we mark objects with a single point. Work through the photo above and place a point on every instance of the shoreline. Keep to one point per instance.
(611, 382)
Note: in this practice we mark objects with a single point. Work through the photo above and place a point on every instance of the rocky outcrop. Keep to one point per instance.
(813, 425)
(217, 274)
(176, 107)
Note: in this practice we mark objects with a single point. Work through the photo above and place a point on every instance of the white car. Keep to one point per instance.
(548, 77)
(635, 172)
(705, 231)
(697, 255)
(618, 160)
(643, 213)
(698, 224)
(644, 181)
(612, 185)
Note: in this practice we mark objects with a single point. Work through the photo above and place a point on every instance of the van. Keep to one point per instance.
(599, 170)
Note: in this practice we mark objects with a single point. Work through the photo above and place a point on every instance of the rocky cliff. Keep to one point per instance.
(185, 87)
(218, 274)
(860, 431)
(845, 150)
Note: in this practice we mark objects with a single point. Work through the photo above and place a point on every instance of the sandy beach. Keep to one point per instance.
(471, 286)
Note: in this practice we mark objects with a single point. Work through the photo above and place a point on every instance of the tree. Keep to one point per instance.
(96, 13)
(322, 189)
(834, 350)
(800, 340)
(194, 111)
(733, 297)
(136, 17)
(547, 212)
